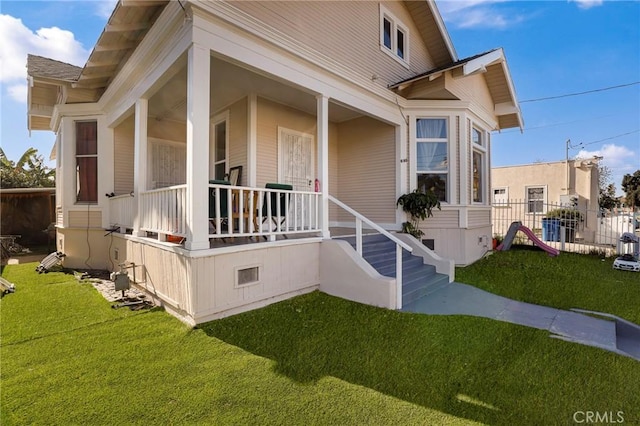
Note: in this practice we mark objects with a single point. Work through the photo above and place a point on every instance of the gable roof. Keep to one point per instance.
(41, 67)
(493, 64)
(440, 69)
(127, 26)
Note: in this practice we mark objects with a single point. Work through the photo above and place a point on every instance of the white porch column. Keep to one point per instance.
(140, 159)
(402, 169)
(322, 114)
(252, 139)
(198, 75)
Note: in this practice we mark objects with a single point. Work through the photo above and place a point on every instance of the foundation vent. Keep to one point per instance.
(247, 275)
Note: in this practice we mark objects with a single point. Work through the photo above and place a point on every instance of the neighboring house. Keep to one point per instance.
(541, 187)
(352, 104)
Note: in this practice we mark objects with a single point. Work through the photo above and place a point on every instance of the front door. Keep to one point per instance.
(296, 159)
(296, 168)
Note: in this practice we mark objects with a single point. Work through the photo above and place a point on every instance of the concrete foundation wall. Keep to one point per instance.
(345, 274)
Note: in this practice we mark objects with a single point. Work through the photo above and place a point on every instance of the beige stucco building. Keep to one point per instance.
(544, 186)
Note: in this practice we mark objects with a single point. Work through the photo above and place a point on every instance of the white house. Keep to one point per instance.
(352, 104)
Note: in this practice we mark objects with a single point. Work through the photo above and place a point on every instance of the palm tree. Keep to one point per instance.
(28, 172)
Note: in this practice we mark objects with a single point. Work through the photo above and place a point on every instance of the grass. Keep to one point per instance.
(567, 281)
(67, 358)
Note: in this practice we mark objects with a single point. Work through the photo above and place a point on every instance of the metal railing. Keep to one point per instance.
(400, 245)
(567, 228)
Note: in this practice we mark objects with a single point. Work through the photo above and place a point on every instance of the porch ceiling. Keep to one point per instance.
(229, 84)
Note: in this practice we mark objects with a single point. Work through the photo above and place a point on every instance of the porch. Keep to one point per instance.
(172, 185)
(236, 214)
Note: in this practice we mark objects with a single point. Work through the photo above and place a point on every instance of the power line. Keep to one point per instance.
(580, 93)
(582, 145)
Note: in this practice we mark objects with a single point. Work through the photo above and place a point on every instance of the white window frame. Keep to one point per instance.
(544, 198)
(435, 140)
(75, 147)
(504, 199)
(213, 161)
(396, 26)
(482, 150)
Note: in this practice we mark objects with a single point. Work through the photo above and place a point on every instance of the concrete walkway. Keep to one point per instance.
(463, 299)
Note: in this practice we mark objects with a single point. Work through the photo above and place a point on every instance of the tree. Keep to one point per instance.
(608, 199)
(631, 188)
(606, 189)
(28, 172)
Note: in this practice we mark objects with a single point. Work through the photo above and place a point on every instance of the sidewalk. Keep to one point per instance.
(463, 299)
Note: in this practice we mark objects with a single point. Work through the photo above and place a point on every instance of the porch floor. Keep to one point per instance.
(235, 241)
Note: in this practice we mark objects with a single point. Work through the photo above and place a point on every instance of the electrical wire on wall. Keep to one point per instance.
(86, 262)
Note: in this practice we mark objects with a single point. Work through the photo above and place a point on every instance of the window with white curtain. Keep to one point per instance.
(536, 198)
(432, 155)
(167, 163)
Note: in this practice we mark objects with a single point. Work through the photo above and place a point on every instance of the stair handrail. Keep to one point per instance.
(400, 245)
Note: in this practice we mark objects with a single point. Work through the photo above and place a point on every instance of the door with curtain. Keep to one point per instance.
(296, 168)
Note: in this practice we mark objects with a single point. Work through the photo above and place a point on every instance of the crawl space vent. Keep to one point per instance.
(248, 275)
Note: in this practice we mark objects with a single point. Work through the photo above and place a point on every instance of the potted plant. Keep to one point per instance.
(419, 205)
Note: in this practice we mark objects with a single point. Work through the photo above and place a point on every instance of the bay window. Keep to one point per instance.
(432, 160)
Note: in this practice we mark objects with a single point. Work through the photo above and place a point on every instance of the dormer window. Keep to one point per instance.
(394, 37)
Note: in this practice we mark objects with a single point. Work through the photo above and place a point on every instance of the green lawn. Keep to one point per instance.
(67, 358)
(567, 281)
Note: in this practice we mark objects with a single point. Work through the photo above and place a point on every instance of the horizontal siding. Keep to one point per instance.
(123, 156)
(367, 174)
(347, 32)
(270, 116)
(163, 273)
(478, 218)
(442, 219)
(474, 89)
(238, 138)
(82, 219)
(334, 181)
(124, 148)
(283, 270)
(167, 129)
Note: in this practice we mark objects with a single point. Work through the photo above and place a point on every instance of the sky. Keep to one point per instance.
(553, 48)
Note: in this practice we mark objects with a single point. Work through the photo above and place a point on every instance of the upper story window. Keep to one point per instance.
(394, 37)
(432, 151)
(87, 161)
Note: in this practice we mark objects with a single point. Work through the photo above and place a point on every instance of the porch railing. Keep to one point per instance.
(400, 245)
(237, 211)
(164, 211)
(233, 211)
(121, 211)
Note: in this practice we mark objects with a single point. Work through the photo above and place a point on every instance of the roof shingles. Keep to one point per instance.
(38, 66)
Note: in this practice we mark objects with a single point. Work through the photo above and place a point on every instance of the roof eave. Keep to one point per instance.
(443, 29)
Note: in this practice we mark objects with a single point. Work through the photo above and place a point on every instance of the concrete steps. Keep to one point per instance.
(418, 279)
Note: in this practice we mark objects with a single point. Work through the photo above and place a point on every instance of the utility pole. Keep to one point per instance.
(566, 156)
